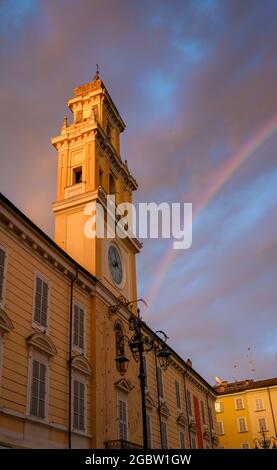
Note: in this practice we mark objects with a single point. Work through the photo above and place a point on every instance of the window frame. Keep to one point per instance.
(203, 413)
(182, 445)
(76, 347)
(75, 170)
(189, 402)
(160, 383)
(43, 359)
(219, 405)
(149, 428)
(123, 399)
(83, 380)
(220, 428)
(5, 271)
(35, 324)
(165, 445)
(245, 422)
(245, 443)
(178, 395)
(265, 421)
(262, 404)
(242, 401)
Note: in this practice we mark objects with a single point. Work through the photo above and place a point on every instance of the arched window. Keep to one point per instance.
(119, 340)
(112, 186)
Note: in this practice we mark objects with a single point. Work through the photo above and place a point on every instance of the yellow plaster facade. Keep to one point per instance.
(59, 389)
(245, 409)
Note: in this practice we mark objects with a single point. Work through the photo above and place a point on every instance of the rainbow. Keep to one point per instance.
(220, 178)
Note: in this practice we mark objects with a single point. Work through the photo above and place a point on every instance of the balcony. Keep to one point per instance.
(121, 444)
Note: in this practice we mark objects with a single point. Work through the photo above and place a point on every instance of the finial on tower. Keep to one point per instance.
(96, 77)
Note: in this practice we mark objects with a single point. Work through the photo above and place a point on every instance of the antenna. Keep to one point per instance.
(234, 373)
(251, 366)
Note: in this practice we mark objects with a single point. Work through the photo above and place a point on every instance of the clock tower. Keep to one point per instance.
(90, 169)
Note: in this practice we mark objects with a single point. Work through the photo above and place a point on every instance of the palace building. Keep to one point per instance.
(66, 309)
(246, 414)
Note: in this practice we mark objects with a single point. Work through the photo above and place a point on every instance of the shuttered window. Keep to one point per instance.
(41, 302)
(160, 382)
(189, 403)
(78, 405)
(148, 424)
(177, 392)
(38, 389)
(262, 424)
(164, 435)
(211, 418)
(242, 426)
(182, 439)
(239, 404)
(203, 412)
(220, 428)
(2, 272)
(123, 431)
(78, 327)
(259, 404)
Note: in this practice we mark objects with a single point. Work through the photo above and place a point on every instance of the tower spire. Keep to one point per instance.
(96, 77)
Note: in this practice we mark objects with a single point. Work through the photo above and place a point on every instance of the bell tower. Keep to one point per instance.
(89, 169)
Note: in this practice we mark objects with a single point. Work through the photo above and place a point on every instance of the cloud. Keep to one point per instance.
(194, 81)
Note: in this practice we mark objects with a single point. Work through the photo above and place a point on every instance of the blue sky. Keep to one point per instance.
(193, 80)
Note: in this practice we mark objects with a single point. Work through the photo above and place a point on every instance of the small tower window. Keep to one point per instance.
(77, 175)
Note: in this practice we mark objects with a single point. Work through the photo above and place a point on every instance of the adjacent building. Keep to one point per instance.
(65, 305)
(246, 412)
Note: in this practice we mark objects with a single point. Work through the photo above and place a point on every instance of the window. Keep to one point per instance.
(38, 389)
(160, 382)
(245, 445)
(239, 405)
(109, 132)
(164, 435)
(242, 426)
(262, 424)
(218, 406)
(148, 424)
(41, 302)
(178, 398)
(77, 175)
(259, 405)
(220, 427)
(112, 186)
(119, 340)
(78, 405)
(189, 403)
(211, 418)
(122, 406)
(145, 371)
(193, 442)
(78, 327)
(2, 273)
(182, 440)
(203, 412)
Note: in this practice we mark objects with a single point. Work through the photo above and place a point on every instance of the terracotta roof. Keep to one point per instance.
(247, 384)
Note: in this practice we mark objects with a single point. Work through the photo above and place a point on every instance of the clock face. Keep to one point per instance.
(115, 264)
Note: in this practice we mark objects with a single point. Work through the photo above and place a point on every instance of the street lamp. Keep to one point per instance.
(140, 344)
(265, 442)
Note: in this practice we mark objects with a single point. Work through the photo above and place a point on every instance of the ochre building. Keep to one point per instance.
(64, 307)
(246, 413)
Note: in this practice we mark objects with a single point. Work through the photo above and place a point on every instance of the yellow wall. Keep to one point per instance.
(232, 438)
